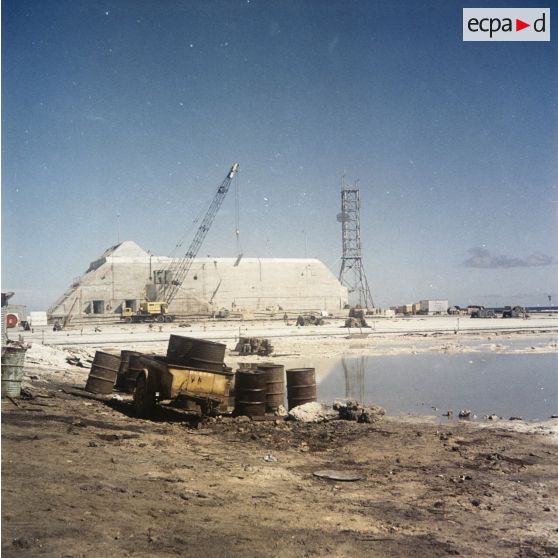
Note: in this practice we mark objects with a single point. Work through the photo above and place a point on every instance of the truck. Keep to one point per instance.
(148, 312)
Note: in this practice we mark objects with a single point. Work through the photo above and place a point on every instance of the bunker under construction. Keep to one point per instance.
(119, 279)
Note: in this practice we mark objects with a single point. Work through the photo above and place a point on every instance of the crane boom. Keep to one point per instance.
(181, 267)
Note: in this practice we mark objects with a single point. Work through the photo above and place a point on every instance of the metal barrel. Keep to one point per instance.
(198, 353)
(250, 393)
(248, 366)
(301, 386)
(207, 355)
(245, 367)
(104, 371)
(135, 366)
(275, 385)
(206, 364)
(121, 379)
(12, 370)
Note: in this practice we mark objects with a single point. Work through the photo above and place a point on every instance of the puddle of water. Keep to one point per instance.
(486, 383)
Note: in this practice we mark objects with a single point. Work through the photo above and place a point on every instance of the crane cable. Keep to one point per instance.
(237, 215)
(175, 256)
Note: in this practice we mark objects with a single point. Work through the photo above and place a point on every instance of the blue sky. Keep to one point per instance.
(138, 109)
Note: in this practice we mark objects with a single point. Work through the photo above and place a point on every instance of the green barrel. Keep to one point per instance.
(12, 370)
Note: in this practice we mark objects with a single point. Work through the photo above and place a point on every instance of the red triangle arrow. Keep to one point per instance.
(519, 25)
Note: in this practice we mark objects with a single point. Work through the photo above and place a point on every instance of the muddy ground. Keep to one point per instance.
(84, 478)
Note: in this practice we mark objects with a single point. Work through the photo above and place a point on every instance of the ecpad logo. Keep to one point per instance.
(506, 24)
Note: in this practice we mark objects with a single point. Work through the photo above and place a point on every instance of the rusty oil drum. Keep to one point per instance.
(275, 385)
(104, 371)
(135, 366)
(248, 366)
(121, 380)
(301, 386)
(242, 366)
(197, 353)
(250, 389)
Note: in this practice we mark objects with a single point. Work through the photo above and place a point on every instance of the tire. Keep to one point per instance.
(144, 397)
(128, 320)
(160, 319)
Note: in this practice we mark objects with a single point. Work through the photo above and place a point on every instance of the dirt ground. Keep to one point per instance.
(85, 478)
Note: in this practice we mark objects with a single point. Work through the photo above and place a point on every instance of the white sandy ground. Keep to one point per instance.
(46, 359)
(116, 333)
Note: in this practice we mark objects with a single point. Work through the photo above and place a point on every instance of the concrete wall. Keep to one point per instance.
(257, 284)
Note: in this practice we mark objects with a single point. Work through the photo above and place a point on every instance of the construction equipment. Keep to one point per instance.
(148, 312)
(309, 319)
(193, 369)
(356, 322)
(164, 284)
(483, 313)
(161, 381)
(515, 312)
(175, 274)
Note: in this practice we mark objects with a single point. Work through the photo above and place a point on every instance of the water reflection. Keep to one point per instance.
(432, 383)
(353, 369)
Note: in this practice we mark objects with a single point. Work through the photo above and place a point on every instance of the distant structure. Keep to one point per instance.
(426, 307)
(119, 279)
(352, 274)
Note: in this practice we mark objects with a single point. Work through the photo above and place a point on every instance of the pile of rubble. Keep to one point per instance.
(341, 410)
(254, 346)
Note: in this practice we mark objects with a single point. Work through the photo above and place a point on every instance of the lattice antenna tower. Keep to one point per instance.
(352, 274)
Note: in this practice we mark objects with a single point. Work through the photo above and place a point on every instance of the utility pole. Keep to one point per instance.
(352, 274)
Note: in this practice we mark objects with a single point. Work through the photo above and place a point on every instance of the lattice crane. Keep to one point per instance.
(180, 267)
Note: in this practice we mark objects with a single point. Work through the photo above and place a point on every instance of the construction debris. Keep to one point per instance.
(356, 318)
(341, 410)
(254, 346)
(356, 322)
(309, 319)
(75, 361)
(313, 412)
(352, 410)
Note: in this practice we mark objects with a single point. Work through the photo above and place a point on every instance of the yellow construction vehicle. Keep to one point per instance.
(169, 280)
(148, 312)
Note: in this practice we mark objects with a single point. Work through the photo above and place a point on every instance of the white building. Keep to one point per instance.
(119, 278)
(434, 307)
